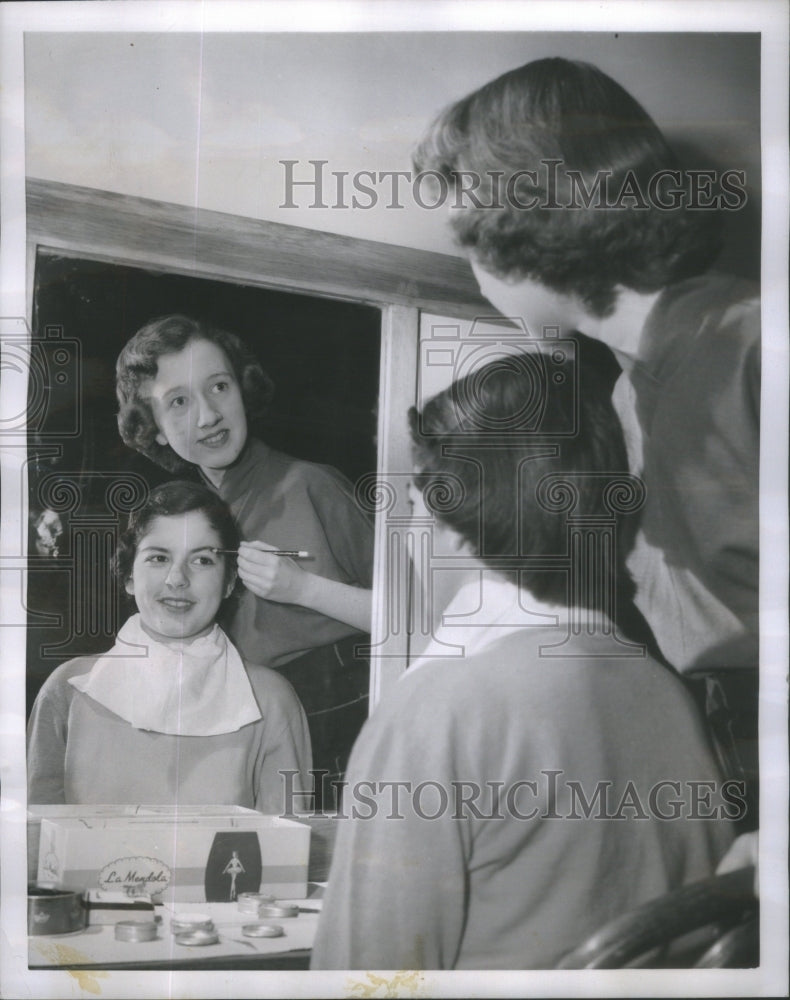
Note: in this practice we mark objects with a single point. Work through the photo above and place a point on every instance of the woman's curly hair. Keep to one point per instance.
(138, 361)
(582, 123)
(169, 500)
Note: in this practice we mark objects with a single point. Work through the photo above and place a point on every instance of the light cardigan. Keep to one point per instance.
(484, 886)
(80, 752)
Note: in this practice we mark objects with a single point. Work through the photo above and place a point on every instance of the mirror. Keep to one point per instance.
(334, 322)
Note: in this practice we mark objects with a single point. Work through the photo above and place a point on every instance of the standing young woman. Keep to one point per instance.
(583, 219)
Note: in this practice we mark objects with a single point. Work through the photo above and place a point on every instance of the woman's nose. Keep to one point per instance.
(207, 412)
(177, 576)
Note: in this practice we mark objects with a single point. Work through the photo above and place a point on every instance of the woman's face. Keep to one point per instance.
(177, 582)
(198, 407)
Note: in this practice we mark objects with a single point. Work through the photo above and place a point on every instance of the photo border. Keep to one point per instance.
(767, 16)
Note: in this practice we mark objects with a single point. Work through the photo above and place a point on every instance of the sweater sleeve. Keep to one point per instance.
(710, 478)
(697, 398)
(47, 736)
(286, 744)
(396, 897)
(728, 541)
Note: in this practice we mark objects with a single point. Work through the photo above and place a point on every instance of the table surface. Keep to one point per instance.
(96, 946)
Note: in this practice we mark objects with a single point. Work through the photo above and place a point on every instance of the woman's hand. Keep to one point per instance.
(743, 852)
(272, 577)
(280, 579)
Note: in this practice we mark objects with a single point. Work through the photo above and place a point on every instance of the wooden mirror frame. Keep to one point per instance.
(402, 282)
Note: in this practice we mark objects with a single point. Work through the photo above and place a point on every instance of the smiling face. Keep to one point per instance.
(177, 582)
(198, 407)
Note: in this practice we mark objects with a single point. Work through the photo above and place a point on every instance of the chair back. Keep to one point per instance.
(723, 910)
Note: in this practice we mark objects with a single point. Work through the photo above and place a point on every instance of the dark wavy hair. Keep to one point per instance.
(137, 362)
(168, 500)
(489, 450)
(570, 112)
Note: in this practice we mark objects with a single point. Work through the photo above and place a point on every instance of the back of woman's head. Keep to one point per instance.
(493, 449)
(170, 500)
(571, 127)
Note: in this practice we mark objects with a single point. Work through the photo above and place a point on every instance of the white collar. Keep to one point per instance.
(197, 688)
(484, 611)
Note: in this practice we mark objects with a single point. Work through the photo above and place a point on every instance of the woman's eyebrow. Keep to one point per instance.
(175, 390)
(222, 373)
(162, 548)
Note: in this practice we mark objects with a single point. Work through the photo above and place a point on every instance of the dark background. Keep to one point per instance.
(322, 354)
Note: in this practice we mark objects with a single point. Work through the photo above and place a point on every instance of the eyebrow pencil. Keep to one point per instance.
(292, 553)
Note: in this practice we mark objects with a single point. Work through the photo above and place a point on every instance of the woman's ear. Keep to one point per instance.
(230, 585)
(161, 439)
(128, 586)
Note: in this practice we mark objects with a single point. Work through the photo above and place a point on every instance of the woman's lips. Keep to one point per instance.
(215, 440)
(176, 603)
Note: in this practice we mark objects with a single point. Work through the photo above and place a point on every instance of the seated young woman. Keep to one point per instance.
(171, 714)
(532, 775)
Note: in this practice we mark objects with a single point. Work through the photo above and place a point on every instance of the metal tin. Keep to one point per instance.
(197, 938)
(135, 930)
(262, 930)
(249, 902)
(184, 923)
(55, 910)
(279, 910)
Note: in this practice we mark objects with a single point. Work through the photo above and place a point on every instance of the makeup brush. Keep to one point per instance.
(291, 553)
